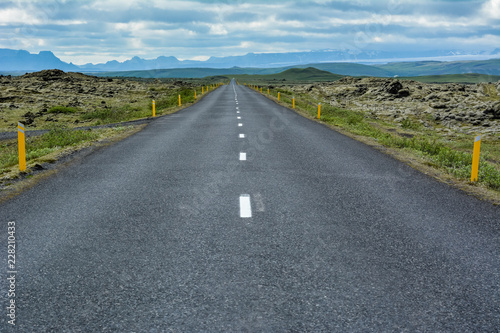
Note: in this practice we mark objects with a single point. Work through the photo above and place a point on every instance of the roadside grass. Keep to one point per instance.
(171, 101)
(116, 114)
(167, 103)
(452, 155)
(58, 138)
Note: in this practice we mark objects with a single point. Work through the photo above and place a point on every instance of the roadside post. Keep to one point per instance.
(21, 140)
(278, 96)
(154, 109)
(475, 158)
(319, 111)
(180, 100)
(195, 97)
(268, 91)
(293, 101)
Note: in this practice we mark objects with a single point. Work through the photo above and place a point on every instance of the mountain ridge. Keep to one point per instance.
(253, 63)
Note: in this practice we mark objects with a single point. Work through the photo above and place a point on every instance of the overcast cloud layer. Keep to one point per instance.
(102, 30)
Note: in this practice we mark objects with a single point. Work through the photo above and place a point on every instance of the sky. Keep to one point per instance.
(96, 31)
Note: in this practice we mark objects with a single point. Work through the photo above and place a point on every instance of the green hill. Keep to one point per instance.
(487, 68)
(419, 68)
(350, 69)
(454, 78)
(294, 74)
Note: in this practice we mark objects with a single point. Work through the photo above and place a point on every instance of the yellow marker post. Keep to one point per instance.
(268, 91)
(180, 100)
(154, 109)
(278, 96)
(319, 111)
(475, 159)
(261, 90)
(21, 140)
(293, 101)
(195, 97)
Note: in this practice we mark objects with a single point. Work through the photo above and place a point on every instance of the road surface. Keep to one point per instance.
(238, 215)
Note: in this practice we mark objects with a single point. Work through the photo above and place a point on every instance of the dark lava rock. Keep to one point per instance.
(393, 87)
(403, 93)
(493, 110)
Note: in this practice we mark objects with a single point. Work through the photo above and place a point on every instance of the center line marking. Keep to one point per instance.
(239, 117)
(237, 111)
(240, 124)
(242, 136)
(245, 206)
(243, 156)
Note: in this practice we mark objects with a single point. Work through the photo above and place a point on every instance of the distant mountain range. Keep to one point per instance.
(334, 61)
(488, 68)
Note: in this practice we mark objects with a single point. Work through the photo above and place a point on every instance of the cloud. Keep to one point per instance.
(491, 9)
(93, 30)
(217, 29)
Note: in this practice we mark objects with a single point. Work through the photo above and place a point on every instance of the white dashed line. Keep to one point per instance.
(240, 124)
(243, 156)
(237, 111)
(242, 136)
(239, 117)
(245, 206)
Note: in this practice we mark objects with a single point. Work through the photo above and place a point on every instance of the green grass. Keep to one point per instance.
(116, 114)
(126, 112)
(38, 146)
(172, 100)
(410, 124)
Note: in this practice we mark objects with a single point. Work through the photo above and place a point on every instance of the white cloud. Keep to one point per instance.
(491, 9)
(199, 58)
(10, 16)
(217, 29)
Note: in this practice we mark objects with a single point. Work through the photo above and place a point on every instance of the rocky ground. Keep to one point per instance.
(28, 98)
(446, 107)
(473, 108)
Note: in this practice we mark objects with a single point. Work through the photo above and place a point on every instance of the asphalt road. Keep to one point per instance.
(186, 226)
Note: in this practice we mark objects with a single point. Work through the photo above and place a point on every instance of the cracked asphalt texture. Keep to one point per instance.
(146, 236)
